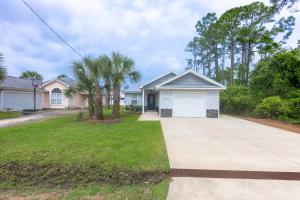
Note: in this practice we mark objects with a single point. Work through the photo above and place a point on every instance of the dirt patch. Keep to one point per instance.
(51, 175)
(104, 121)
(274, 123)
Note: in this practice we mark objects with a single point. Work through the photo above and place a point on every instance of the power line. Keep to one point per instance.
(44, 21)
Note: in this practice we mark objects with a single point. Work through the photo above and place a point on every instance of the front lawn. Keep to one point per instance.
(9, 114)
(70, 154)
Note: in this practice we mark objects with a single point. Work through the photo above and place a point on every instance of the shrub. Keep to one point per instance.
(132, 108)
(79, 116)
(272, 107)
(236, 99)
(294, 105)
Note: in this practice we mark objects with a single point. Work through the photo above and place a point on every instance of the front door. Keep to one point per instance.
(151, 102)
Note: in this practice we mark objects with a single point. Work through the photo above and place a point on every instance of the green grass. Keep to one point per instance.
(107, 192)
(9, 114)
(116, 157)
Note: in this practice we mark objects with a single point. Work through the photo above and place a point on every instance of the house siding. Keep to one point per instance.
(62, 87)
(189, 81)
(151, 86)
(128, 99)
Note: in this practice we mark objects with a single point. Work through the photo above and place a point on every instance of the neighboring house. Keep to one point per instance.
(189, 94)
(111, 101)
(17, 94)
(54, 97)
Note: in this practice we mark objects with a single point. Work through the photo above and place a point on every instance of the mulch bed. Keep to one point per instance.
(235, 174)
(274, 123)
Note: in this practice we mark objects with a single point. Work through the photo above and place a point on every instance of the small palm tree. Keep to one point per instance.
(85, 82)
(122, 68)
(3, 71)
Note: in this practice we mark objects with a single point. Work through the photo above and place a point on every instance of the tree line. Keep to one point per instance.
(245, 49)
(94, 75)
(236, 37)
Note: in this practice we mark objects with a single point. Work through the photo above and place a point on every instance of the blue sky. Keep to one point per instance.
(154, 33)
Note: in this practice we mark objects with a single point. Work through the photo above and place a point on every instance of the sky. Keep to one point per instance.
(153, 32)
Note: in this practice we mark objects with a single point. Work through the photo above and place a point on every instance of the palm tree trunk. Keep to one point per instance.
(91, 106)
(116, 106)
(98, 103)
(107, 89)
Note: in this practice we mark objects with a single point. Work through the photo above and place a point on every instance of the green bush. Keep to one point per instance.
(237, 99)
(294, 105)
(132, 108)
(273, 107)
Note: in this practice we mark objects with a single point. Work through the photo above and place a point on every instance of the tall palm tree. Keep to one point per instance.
(85, 82)
(106, 61)
(33, 75)
(96, 67)
(122, 68)
(3, 71)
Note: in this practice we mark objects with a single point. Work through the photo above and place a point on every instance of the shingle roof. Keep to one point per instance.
(66, 80)
(18, 84)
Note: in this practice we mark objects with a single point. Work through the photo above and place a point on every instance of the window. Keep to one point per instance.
(134, 99)
(56, 96)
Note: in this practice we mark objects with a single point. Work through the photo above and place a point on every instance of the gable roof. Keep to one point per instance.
(65, 81)
(170, 74)
(214, 84)
(18, 84)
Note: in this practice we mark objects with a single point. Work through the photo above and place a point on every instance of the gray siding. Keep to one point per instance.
(151, 86)
(190, 81)
(128, 99)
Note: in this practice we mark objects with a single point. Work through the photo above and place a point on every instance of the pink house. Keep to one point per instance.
(54, 98)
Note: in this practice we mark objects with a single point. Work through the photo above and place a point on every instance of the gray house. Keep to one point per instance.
(189, 94)
(17, 94)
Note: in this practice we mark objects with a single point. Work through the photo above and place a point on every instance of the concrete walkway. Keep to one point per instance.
(35, 117)
(149, 116)
(230, 144)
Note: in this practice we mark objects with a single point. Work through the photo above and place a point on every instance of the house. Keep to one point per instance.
(54, 98)
(17, 94)
(189, 94)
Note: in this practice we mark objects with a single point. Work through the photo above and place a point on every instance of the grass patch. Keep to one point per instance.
(107, 192)
(9, 114)
(68, 154)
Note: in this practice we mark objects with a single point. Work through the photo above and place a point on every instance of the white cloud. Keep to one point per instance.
(152, 32)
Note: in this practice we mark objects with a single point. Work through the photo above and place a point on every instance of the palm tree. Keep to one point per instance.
(33, 75)
(96, 67)
(122, 68)
(62, 76)
(85, 82)
(107, 78)
(3, 71)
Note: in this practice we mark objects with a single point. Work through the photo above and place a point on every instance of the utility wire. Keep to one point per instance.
(44, 21)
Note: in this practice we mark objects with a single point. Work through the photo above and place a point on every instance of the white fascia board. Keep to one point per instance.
(178, 88)
(157, 79)
(196, 74)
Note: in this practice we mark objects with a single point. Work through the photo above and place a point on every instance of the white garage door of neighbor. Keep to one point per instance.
(189, 104)
(21, 100)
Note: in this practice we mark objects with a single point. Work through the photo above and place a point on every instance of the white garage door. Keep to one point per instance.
(21, 100)
(189, 104)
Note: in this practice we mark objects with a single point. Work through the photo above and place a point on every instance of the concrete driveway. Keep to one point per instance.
(230, 144)
(41, 115)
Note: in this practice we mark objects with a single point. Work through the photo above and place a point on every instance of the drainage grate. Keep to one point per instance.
(235, 174)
